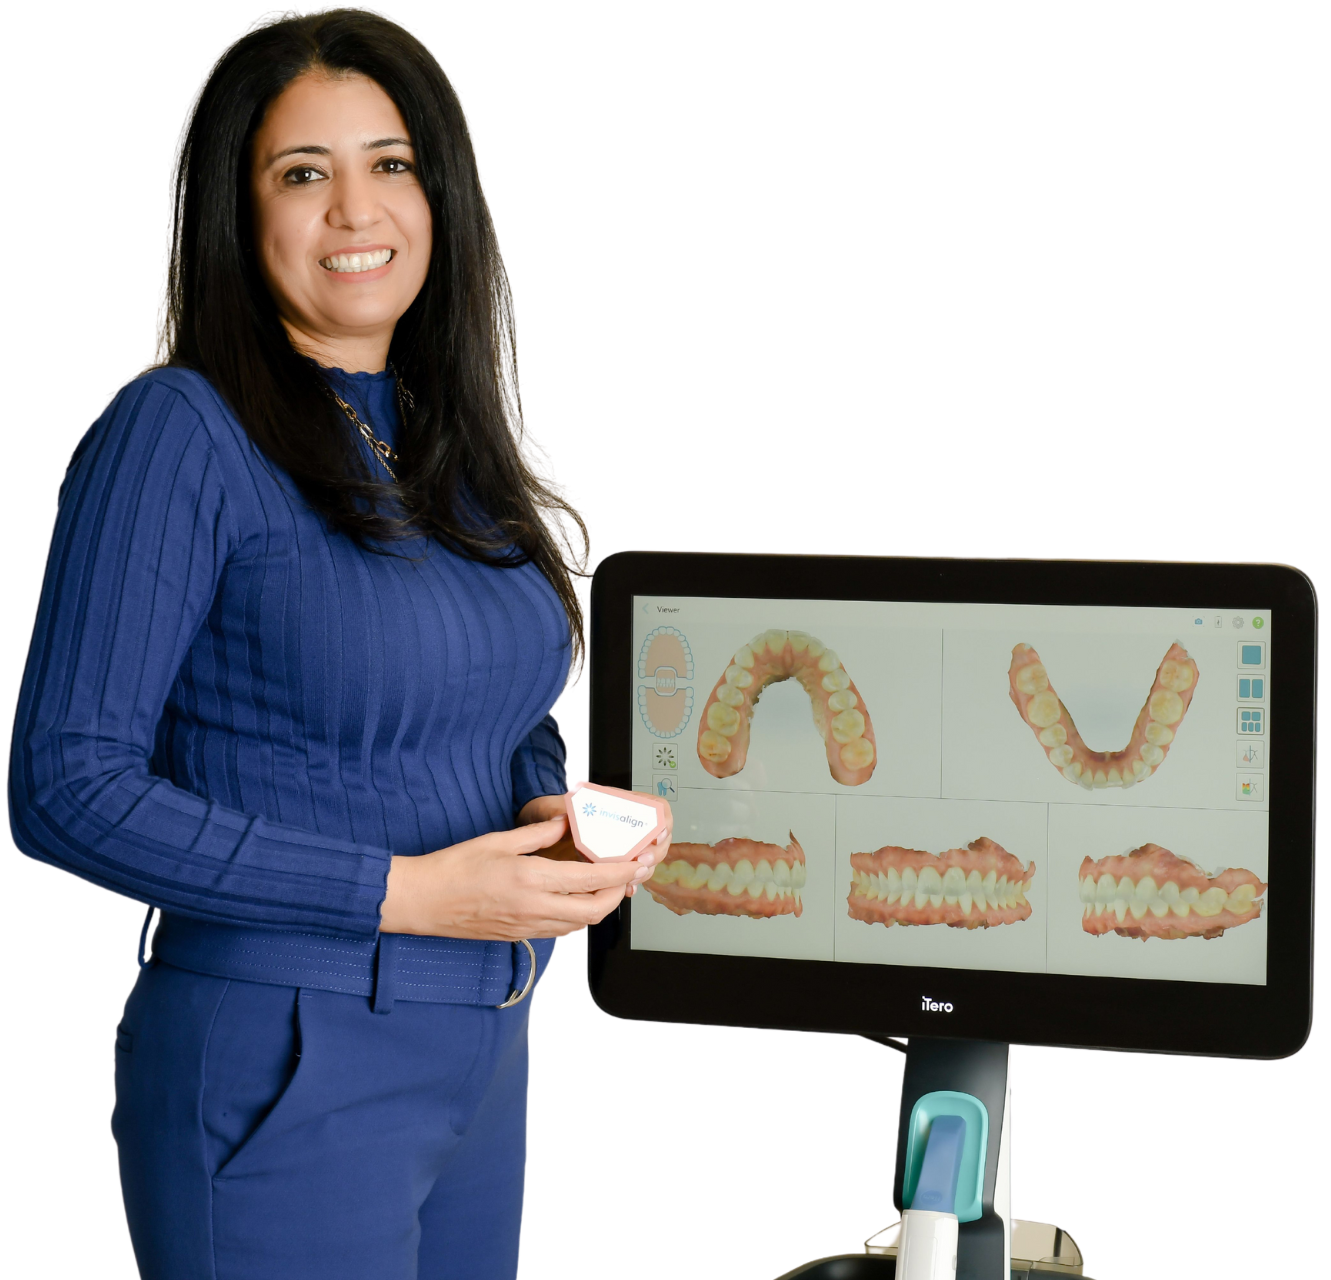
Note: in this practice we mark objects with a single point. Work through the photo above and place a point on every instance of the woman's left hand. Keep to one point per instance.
(544, 807)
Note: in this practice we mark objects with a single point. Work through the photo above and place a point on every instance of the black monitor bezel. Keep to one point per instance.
(1224, 1019)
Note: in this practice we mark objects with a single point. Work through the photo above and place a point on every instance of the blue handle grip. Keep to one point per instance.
(941, 1168)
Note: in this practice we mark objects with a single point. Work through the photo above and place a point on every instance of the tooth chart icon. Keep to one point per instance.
(1159, 721)
(839, 713)
(667, 702)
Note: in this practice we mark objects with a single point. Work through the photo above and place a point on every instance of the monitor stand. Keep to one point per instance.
(977, 1068)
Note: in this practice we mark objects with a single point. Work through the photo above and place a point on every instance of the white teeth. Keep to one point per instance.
(847, 725)
(1060, 757)
(738, 676)
(1123, 897)
(1114, 778)
(1151, 755)
(1140, 769)
(713, 746)
(731, 696)
(829, 661)
(815, 648)
(1043, 710)
(1165, 707)
(696, 879)
(798, 876)
(781, 874)
(776, 640)
(1175, 676)
(1101, 780)
(965, 902)
(743, 658)
(1159, 735)
(835, 681)
(799, 640)
(1032, 679)
(858, 753)
(842, 700)
(351, 263)
(724, 719)
(1054, 736)
(763, 871)
(720, 877)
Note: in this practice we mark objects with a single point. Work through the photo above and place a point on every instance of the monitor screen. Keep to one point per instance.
(1025, 788)
(1035, 801)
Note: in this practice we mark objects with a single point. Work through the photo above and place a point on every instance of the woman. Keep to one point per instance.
(302, 626)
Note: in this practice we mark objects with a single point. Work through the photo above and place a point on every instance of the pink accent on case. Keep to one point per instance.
(587, 826)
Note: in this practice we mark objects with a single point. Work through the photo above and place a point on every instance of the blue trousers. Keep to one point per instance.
(282, 1133)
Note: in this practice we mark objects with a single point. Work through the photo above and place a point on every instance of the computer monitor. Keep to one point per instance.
(1041, 802)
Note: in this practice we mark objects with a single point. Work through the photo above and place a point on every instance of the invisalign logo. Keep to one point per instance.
(589, 810)
(934, 1006)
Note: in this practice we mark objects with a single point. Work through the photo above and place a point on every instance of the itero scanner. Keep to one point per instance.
(928, 1241)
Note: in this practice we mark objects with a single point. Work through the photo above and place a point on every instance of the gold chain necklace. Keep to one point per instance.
(384, 453)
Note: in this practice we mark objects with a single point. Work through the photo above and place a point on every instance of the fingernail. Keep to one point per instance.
(642, 873)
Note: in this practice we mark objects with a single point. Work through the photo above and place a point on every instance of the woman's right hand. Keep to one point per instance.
(486, 888)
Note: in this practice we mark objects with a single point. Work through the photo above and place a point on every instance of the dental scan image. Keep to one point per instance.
(1030, 788)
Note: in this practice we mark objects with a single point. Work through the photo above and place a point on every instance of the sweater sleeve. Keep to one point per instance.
(538, 765)
(141, 541)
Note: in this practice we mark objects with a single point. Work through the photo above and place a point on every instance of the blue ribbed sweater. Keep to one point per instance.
(235, 715)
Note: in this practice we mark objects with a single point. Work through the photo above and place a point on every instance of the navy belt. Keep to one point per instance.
(385, 968)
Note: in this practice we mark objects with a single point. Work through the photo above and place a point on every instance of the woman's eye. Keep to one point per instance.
(302, 175)
(393, 164)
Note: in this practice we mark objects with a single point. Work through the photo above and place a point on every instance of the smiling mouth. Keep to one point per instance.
(350, 263)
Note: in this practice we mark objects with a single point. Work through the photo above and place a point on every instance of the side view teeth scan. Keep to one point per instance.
(1156, 727)
(839, 713)
(977, 887)
(1153, 893)
(734, 877)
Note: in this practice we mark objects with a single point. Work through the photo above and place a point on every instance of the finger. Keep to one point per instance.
(535, 835)
(585, 877)
(577, 911)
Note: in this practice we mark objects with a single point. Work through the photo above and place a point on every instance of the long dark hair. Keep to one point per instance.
(462, 477)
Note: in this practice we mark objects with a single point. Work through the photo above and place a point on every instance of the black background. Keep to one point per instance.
(816, 288)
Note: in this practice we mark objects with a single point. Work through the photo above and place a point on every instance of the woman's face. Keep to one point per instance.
(341, 224)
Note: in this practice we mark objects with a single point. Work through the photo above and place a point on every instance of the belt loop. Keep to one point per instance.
(385, 973)
(144, 961)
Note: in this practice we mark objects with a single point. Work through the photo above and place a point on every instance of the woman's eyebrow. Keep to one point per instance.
(312, 149)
